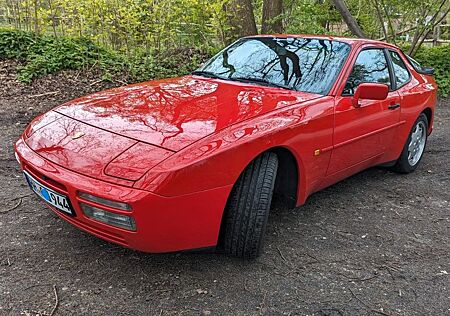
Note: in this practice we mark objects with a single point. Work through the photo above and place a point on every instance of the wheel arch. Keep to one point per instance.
(286, 189)
(287, 180)
(429, 114)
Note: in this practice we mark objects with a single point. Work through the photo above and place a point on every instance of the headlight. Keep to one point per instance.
(113, 219)
(114, 204)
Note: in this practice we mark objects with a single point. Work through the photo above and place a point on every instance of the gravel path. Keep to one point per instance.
(377, 243)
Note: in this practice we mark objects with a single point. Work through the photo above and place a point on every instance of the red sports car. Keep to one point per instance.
(193, 162)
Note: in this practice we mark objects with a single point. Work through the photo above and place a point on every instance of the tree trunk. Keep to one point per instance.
(348, 18)
(241, 19)
(36, 21)
(391, 28)
(271, 16)
(381, 20)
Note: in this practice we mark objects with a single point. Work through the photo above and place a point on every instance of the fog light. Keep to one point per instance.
(113, 219)
(114, 204)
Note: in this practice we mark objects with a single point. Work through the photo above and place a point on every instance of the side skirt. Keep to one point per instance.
(387, 164)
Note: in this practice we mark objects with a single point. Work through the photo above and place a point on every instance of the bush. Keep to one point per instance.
(170, 63)
(439, 58)
(42, 55)
(15, 44)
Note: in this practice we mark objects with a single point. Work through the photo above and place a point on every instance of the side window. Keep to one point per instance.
(414, 63)
(370, 66)
(402, 75)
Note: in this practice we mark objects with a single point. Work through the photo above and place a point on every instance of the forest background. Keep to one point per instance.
(146, 39)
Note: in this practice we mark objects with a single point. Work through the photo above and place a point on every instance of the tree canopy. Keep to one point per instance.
(128, 25)
(158, 38)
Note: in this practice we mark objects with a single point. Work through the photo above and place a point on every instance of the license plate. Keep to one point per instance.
(59, 201)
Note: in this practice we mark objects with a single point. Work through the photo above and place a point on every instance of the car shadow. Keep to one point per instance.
(281, 222)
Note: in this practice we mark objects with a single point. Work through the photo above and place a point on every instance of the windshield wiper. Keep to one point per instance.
(265, 82)
(206, 74)
(262, 81)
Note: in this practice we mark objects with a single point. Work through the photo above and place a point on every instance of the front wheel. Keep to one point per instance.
(414, 148)
(247, 210)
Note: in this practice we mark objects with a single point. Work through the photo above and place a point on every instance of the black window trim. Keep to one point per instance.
(388, 61)
(394, 82)
(392, 77)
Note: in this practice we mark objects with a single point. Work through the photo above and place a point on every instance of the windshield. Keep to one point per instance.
(303, 64)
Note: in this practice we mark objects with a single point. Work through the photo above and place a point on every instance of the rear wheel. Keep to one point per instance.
(247, 210)
(414, 148)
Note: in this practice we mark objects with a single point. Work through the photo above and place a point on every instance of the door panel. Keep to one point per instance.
(367, 131)
(364, 132)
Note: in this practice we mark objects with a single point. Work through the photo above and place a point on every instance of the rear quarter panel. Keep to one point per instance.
(416, 96)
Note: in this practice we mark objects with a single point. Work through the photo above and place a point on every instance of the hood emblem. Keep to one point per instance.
(77, 135)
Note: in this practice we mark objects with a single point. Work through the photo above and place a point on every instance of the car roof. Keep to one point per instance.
(349, 40)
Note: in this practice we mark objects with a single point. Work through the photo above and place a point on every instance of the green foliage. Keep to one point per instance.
(125, 25)
(15, 44)
(438, 58)
(158, 38)
(47, 54)
(43, 55)
(309, 17)
(171, 63)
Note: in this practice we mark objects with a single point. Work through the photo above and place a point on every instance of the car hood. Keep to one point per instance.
(91, 151)
(174, 113)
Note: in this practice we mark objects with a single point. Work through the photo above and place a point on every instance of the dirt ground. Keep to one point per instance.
(377, 243)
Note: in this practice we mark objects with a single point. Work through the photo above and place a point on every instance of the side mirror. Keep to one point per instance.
(370, 91)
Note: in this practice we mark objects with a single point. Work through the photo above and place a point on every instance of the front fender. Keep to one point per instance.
(219, 159)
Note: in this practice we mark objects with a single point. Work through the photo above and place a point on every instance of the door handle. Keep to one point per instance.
(394, 106)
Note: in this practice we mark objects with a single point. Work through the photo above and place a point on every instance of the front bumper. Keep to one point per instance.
(163, 224)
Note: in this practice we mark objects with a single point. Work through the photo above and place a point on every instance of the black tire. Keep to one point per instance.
(245, 218)
(403, 165)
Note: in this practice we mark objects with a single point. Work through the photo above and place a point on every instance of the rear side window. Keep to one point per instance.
(419, 68)
(402, 75)
(415, 64)
(371, 67)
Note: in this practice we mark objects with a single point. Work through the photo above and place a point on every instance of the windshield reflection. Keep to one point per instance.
(303, 64)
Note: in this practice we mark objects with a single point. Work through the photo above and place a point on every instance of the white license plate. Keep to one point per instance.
(61, 202)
